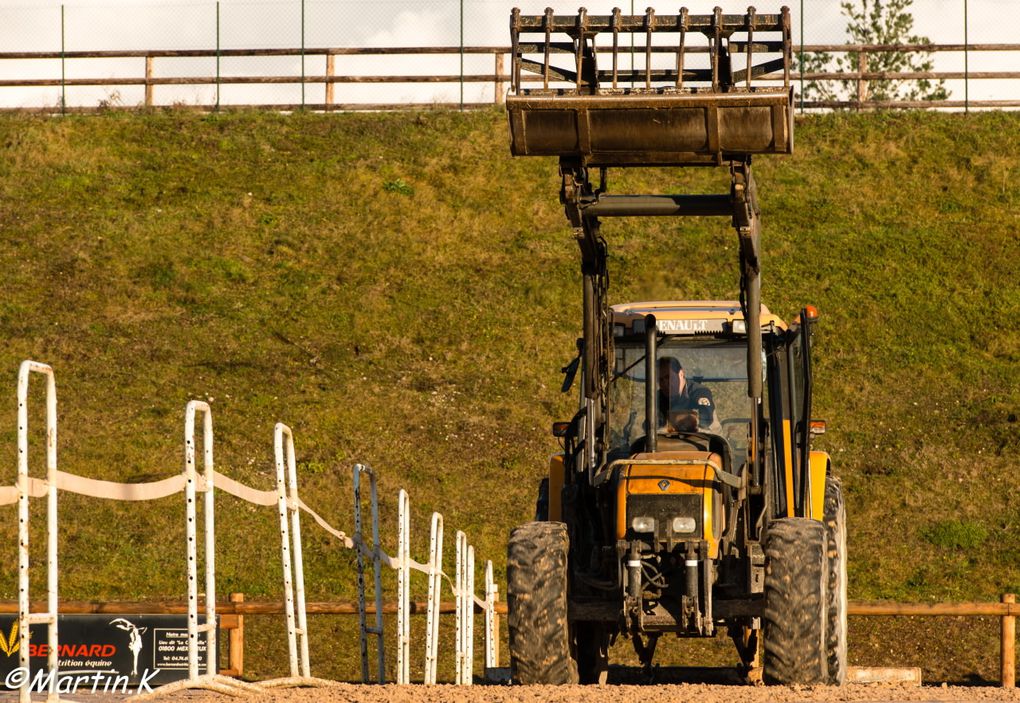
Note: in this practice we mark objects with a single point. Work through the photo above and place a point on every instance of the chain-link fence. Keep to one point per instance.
(304, 27)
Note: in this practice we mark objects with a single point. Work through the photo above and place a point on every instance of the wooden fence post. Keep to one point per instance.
(148, 81)
(499, 79)
(862, 85)
(236, 649)
(1008, 649)
(330, 70)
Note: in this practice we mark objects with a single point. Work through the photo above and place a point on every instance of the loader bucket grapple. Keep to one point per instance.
(645, 90)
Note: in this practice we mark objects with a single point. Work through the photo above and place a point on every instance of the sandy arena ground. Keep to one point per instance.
(673, 693)
(662, 693)
(674, 687)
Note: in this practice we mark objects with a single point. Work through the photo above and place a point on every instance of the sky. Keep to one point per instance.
(35, 25)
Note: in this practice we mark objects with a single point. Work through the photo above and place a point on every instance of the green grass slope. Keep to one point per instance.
(402, 292)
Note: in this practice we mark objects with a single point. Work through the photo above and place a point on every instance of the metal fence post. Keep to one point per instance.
(800, 58)
(360, 549)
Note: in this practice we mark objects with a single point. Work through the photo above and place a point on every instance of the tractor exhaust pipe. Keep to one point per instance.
(651, 384)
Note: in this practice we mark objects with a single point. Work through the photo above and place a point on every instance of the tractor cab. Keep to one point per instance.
(700, 385)
(696, 391)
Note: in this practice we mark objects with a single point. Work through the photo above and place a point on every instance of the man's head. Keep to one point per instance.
(671, 378)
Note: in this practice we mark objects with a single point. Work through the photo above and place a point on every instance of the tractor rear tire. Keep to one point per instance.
(796, 595)
(835, 532)
(536, 573)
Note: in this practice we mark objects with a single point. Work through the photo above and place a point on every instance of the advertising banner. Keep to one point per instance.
(103, 653)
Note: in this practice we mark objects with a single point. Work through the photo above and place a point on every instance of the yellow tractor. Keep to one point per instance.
(687, 498)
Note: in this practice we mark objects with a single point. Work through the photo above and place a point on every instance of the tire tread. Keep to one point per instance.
(796, 580)
(537, 605)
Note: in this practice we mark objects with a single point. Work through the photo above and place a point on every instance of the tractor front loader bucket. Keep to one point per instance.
(645, 90)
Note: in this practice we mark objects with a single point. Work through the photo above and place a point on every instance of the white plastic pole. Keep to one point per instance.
(469, 607)
(288, 582)
(403, 588)
(435, 594)
(25, 618)
(460, 578)
(299, 568)
(491, 631)
(190, 489)
(210, 545)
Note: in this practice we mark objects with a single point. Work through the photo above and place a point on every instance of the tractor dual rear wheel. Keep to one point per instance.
(536, 573)
(796, 599)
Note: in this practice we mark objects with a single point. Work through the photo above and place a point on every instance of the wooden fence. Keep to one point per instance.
(330, 77)
(231, 614)
(861, 77)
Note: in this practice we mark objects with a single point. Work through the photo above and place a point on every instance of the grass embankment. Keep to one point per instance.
(403, 293)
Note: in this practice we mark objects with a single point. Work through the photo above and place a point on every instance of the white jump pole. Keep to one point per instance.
(210, 539)
(435, 596)
(285, 440)
(26, 618)
(465, 609)
(403, 588)
(491, 619)
(469, 603)
(288, 581)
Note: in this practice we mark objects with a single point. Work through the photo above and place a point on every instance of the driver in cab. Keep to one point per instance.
(683, 405)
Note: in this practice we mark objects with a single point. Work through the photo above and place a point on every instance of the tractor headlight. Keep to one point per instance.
(684, 525)
(643, 524)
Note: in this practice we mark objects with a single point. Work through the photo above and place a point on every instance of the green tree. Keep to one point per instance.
(876, 22)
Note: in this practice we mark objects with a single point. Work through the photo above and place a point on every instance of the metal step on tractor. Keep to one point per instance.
(687, 498)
